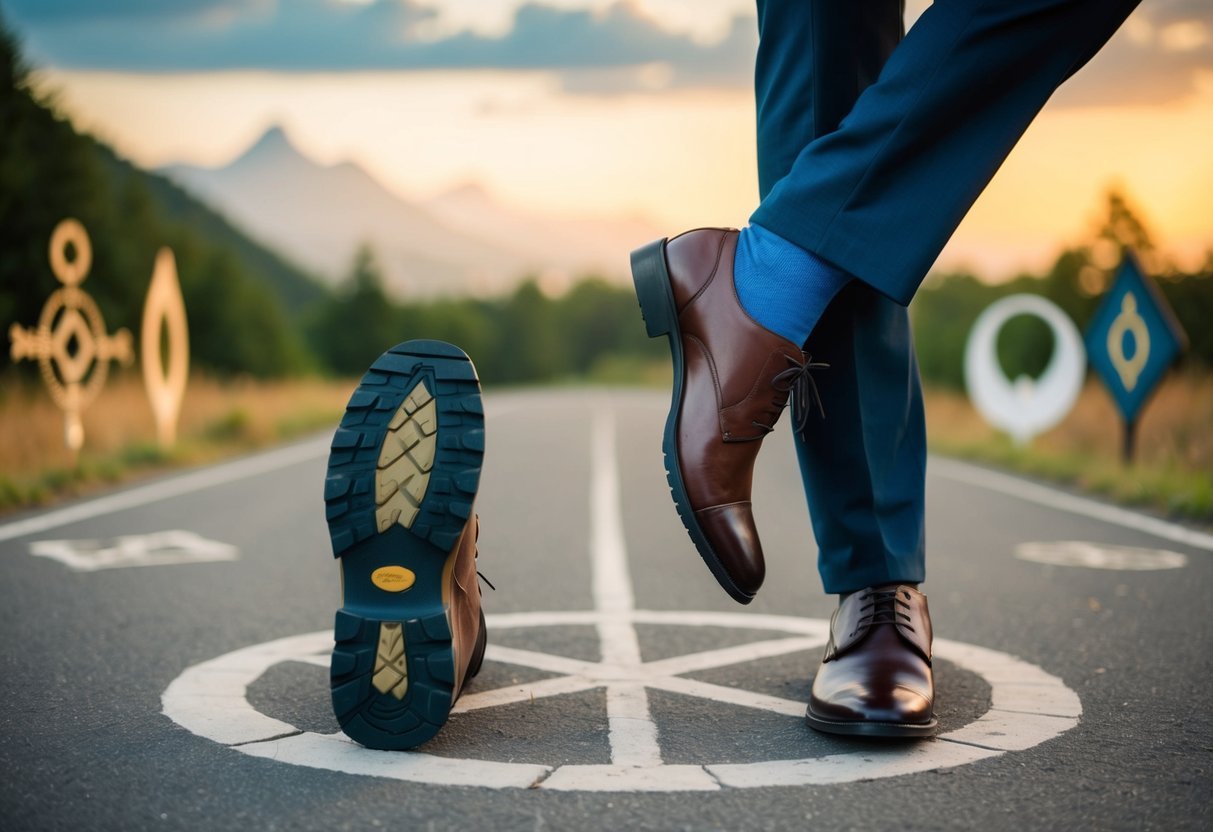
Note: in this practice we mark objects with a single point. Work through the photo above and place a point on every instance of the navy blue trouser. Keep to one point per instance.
(871, 149)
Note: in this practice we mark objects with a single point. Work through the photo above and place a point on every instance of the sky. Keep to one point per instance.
(598, 107)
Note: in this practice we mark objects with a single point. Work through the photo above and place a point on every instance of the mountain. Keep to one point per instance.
(460, 242)
(295, 288)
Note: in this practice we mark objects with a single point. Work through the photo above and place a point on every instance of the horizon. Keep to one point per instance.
(559, 139)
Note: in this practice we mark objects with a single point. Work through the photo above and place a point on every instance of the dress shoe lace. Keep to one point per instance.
(797, 381)
(881, 606)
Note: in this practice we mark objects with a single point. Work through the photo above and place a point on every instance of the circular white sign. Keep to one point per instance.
(1025, 407)
(1028, 706)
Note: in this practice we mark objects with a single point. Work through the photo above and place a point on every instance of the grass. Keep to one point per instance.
(218, 419)
(1173, 473)
(1173, 467)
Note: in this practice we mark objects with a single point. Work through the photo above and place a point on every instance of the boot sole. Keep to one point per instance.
(872, 729)
(652, 279)
(402, 477)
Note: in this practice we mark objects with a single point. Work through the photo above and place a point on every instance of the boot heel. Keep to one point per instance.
(653, 288)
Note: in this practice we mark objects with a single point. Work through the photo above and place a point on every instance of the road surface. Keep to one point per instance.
(167, 648)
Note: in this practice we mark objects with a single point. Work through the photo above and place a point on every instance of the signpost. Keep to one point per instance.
(73, 350)
(1131, 342)
(70, 343)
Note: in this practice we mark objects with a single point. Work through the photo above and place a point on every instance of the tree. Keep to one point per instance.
(359, 322)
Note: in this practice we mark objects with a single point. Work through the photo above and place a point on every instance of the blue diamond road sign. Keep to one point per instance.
(1133, 338)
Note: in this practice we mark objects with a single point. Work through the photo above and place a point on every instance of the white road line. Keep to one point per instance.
(737, 654)
(612, 584)
(633, 734)
(499, 697)
(166, 489)
(732, 696)
(539, 661)
(1060, 500)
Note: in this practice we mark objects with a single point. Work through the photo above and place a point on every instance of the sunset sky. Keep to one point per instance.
(585, 107)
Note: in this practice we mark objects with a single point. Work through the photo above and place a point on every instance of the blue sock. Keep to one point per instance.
(782, 286)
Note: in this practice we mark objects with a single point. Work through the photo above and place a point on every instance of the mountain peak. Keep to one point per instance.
(273, 144)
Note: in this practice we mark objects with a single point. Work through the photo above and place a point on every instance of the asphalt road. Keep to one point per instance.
(623, 689)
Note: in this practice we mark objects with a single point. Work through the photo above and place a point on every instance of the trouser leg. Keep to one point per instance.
(880, 196)
(863, 468)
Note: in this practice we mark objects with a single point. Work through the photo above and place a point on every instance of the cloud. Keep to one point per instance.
(81, 10)
(1156, 58)
(619, 49)
(329, 35)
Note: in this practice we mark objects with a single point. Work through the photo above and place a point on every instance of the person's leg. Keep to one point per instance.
(880, 196)
(814, 59)
(863, 467)
(877, 198)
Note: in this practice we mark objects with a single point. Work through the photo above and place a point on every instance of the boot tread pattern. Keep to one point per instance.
(405, 459)
(423, 472)
(391, 673)
(384, 695)
(404, 468)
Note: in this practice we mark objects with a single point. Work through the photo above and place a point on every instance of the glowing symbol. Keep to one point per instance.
(1025, 407)
(70, 345)
(1129, 320)
(164, 310)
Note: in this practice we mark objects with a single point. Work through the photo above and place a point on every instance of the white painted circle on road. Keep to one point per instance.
(1100, 556)
(1028, 706)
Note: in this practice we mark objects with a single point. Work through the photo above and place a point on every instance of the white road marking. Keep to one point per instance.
(333, 752)
(1028, 706)
(539, 661)
(166, 489)
(1062, 501)
(1100, 556)
(633, 734)
(157, 549)
(870, 764)
(723, 656)
(730, 696)
(529, 692)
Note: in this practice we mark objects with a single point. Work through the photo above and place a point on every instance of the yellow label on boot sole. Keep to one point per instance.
(393, 578)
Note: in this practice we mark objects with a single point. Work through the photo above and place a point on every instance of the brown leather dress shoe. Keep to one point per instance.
(732, 379)
(875, 679)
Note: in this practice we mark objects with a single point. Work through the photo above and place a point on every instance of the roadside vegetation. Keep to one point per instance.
(219, 419)
(1172, 475)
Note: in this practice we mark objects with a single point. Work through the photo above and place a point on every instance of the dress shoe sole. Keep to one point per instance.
(402, 477)
(872, 729)
(652, 279)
